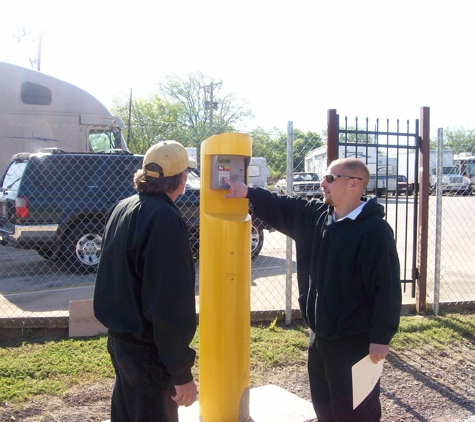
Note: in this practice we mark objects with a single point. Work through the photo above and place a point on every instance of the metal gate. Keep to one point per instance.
(392, 156)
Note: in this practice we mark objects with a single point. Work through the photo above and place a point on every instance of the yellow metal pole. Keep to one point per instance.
(225, 278)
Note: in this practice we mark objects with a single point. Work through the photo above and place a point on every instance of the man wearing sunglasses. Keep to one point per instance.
(348, 278)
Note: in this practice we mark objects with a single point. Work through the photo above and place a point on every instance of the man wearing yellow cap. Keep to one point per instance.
(145, 292)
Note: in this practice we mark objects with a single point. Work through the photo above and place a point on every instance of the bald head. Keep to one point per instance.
(353, 167)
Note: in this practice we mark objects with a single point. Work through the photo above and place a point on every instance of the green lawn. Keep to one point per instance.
(52, 366)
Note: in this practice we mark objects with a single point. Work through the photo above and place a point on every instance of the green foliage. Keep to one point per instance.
(457, 139)
(177, 111)
(437, 331)
(273, 146)
(277, 346)
(191, 92)
(51, 367)
(355, 135)
(273, 324)
(152, 120)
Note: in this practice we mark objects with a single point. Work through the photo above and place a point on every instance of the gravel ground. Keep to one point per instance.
(426, 385)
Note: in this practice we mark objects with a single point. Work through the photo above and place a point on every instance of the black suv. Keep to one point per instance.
(57, 202)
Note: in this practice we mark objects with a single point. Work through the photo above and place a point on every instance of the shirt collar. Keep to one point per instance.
(353, 214)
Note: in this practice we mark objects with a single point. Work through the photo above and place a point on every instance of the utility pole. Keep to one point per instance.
(38, 55)
(25, 31)
(130, 117)
(211, 104)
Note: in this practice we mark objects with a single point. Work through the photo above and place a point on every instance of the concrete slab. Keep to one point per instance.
(267, 404)
(82, 322)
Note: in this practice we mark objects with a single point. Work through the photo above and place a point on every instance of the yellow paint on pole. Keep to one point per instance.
(225, 280)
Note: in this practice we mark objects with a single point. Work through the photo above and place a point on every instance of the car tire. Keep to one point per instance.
(257, 240)
(82, 247)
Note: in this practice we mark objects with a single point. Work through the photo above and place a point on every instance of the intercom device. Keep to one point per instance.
(231, 167)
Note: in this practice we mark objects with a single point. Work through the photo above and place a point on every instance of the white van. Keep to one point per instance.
(258, 172)
(38, 111)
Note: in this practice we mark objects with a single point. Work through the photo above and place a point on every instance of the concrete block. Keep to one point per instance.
(82, 322)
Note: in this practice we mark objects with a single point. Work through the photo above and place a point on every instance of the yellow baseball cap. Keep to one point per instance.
(171, 156)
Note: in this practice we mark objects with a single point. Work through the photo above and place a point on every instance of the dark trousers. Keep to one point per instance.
(143, 387)
(329, 370)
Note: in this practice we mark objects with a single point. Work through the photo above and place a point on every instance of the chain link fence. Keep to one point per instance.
(451, 268)
(53, 208)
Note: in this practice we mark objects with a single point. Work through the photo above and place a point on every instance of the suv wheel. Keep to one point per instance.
(257, 240)
(82, 247)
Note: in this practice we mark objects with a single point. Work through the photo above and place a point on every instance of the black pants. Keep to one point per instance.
(329, 370)
(143, 387)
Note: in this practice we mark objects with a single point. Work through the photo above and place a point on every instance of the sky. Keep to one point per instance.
(291, 61)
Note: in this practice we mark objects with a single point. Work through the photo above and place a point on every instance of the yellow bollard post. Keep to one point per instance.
(225, 279)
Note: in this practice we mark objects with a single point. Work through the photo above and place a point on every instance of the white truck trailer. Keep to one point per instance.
(452, 180)
(38, 111)
(258, 172)
(316, 162)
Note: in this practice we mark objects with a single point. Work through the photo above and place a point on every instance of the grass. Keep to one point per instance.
(52, 366)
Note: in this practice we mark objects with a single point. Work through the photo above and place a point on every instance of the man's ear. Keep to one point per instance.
(355, 184)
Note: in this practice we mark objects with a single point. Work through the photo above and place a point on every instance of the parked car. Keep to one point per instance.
(57, 204)
(403, 187)
(305, 184)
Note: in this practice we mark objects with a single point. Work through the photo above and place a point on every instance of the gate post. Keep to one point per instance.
(332, 136)
(423, 229)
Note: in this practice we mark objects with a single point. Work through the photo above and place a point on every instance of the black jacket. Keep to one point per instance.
(145, 284)
(348, 271)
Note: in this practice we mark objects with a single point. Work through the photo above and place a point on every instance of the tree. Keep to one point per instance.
(457, 139)
(193, 119)
(152, 120)
(304, 142)
(273, 146)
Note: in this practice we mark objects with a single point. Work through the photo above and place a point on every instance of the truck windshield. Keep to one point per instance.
(102, 139)
(305, 177)
(450, 170)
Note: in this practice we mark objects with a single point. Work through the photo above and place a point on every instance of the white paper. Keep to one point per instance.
(365, 375)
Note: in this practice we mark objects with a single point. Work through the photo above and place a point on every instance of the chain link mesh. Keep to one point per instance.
(53, 215)
(451, 268)
(53, 207)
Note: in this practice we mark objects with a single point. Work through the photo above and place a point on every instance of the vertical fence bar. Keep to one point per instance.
(415, 249)
(423, 229)
(332, 136)
(288, 249)
(438, 219)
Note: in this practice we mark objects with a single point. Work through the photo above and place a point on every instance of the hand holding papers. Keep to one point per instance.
(365, 375)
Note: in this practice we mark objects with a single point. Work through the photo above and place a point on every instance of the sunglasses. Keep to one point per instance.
(330, 178)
